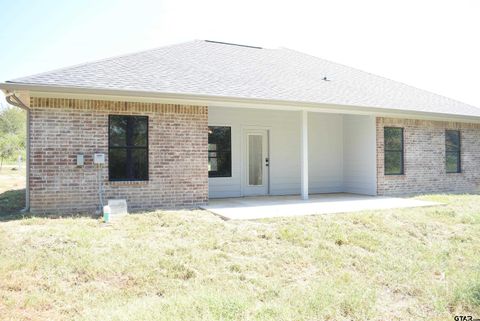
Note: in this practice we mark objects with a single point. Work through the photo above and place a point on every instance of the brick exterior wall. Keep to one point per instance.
(63, 128)
(424, 158)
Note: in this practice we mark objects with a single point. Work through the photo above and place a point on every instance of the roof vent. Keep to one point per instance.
(325, 79)
(233, 44)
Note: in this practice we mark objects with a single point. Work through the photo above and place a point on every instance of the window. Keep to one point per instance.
(127, 148)
(219, 152)
(393, 139)
(452, 151)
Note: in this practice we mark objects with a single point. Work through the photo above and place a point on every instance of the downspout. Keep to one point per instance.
(12, 99)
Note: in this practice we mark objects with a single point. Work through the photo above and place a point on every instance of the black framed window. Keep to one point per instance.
(453, 151)
(219, 151)
(127, 148)
(393, 152)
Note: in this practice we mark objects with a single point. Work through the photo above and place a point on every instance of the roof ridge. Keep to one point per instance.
(382, 77)
(233, 44)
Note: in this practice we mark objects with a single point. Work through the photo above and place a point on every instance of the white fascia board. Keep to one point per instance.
(224, 101)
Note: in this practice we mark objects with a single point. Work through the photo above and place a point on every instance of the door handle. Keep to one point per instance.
(267, 162)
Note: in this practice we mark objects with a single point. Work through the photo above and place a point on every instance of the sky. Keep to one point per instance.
(432, 45)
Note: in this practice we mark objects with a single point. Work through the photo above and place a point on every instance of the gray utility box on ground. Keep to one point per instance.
(118, 208)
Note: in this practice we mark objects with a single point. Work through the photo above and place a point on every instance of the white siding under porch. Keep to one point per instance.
(328, 143)
(325, 157)
(359, 155)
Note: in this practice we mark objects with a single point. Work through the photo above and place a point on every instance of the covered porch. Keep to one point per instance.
(290, 151)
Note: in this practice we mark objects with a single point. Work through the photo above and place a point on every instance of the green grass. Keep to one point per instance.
(408, 264)
(12, 201)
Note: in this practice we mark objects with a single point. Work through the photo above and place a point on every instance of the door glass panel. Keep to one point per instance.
(255, 168)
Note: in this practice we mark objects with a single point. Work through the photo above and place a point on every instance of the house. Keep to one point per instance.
(175, 126)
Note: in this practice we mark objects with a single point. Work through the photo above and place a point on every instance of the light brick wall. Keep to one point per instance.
(63, 128)
(424, 157)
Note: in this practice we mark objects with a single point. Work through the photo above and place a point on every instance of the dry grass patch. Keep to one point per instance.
(407, 264)
(12, 190)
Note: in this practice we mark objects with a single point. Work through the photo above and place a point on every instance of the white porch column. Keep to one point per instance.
(304, 154)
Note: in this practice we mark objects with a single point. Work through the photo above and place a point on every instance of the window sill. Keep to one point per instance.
(129, 183)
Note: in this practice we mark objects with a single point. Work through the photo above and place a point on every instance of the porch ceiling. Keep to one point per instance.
(247, 208)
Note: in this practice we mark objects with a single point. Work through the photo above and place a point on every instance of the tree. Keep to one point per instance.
(10, 144)
(12, 133)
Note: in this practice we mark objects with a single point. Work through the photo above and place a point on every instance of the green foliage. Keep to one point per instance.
(12, 133)
(11, 201)
(12, 120)
(10, 145)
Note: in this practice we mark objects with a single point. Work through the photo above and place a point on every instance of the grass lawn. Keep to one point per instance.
(409, 264)
(12, 189)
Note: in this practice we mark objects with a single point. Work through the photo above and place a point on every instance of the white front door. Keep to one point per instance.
(256, 171)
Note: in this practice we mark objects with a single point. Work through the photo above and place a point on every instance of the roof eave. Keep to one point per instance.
(211, 100)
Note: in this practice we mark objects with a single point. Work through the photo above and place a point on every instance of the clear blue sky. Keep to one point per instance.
(431, 44)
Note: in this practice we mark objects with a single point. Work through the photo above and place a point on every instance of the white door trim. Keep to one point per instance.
(245, 129)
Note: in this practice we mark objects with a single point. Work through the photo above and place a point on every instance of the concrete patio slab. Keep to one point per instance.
(248, 208)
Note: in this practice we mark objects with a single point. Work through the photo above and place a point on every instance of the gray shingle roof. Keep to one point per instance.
(215, 69)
